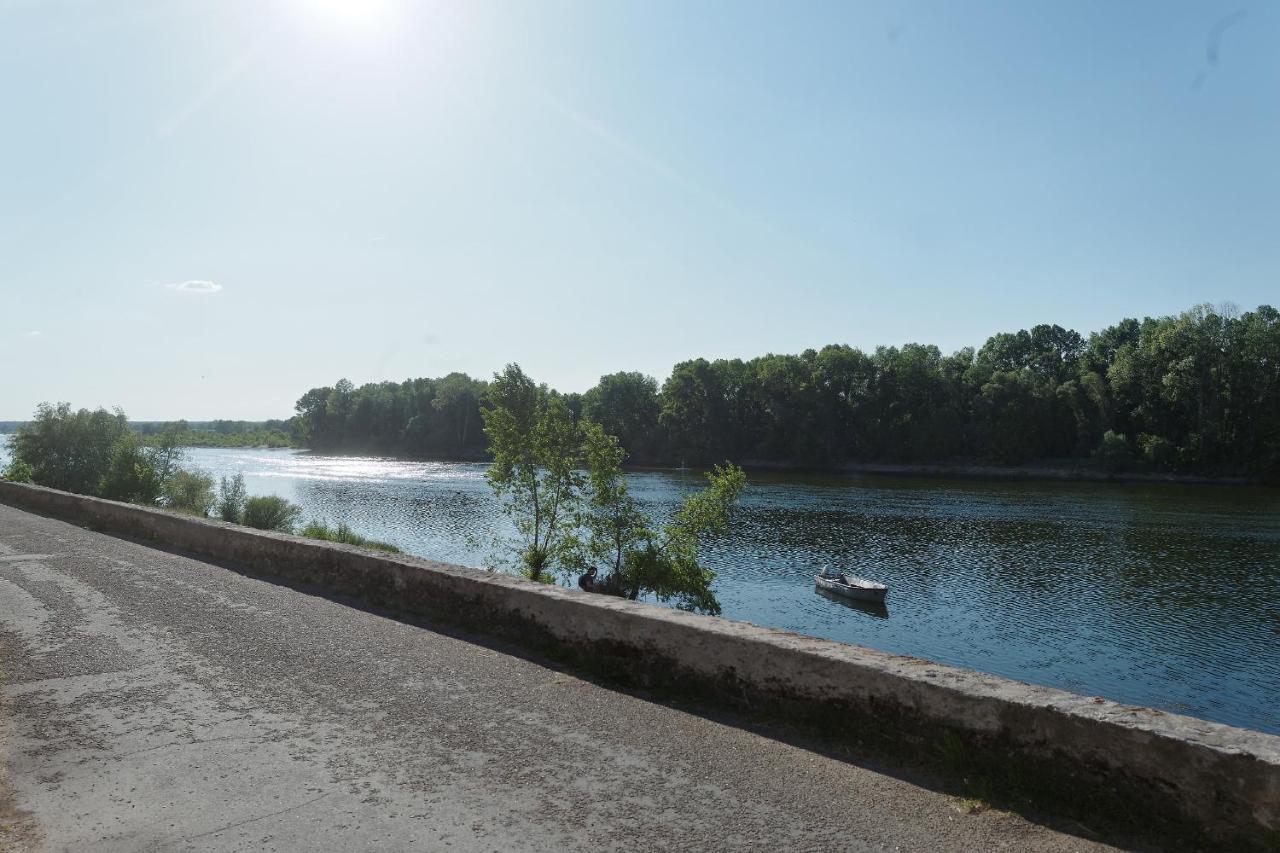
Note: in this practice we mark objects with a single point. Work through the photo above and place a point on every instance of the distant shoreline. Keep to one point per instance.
(934, 470)
(940, 470)
(974, 471)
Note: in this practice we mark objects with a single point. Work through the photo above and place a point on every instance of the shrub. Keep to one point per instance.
(132, 474)
(190, 492)
(17, 472)
(1113, 454)
(271, 512)
(231, 499)
(344, 534)
(1159, 453)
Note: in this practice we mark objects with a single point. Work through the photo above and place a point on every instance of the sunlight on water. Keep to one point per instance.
(1155, 595)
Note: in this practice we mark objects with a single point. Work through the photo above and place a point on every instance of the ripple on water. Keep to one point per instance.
(1154, 595)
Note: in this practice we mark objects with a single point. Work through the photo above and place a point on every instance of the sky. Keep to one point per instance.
(208, 207)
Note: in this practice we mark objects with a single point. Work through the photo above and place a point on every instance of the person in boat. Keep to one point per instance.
(587, 581)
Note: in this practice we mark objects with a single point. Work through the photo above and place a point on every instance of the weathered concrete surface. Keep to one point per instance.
(1095, 757)
(156, 702)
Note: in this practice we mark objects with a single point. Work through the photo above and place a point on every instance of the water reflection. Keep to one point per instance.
(878, 609)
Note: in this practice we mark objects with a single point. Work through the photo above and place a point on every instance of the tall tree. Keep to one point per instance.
(536, 473)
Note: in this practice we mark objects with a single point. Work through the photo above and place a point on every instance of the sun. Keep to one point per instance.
(353, 17)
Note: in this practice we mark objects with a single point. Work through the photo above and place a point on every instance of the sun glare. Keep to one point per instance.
(352, 17)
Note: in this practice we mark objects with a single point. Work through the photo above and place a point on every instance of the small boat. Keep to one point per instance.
(859, 589)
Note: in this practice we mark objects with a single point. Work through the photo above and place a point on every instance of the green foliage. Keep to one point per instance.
(17, 472)
(662, 561)
(134, 474)
(271, 512)
(344, 534)
(231, 499)
(1113, 454)
(537, 449)
(561, 483)
(1158, 453)
(189, 491)
(221, 433)
(626, 405)
(96, 453)
(1204, 383)
(69, 450)
(419, 417)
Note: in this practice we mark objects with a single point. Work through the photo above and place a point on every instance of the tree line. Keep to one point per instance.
(1197, 392)
(219, 433)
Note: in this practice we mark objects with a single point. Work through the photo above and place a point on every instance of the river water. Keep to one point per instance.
(1158, 595)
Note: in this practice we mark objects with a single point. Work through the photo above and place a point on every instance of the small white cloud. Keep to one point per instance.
(34, 333)
(195, 286)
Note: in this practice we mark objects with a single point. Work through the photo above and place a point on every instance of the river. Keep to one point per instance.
(1159, 595)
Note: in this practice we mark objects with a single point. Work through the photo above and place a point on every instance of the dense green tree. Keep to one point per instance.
(135, 474)
(626, 406)
(97, 453)
(694, 412)
(70, 450)
(536, 470)
(417, 417)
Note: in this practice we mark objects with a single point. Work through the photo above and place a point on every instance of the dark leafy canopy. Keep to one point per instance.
(418, 417)
(626, 405)
(1199, 392)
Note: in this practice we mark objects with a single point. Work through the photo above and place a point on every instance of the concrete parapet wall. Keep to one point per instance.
(1198, 782)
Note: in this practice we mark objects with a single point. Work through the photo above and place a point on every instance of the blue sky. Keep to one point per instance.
(208, 206)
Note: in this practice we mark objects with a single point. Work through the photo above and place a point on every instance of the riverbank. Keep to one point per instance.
(968, 470)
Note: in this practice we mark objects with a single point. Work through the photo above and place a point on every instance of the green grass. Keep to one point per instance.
(344, 534)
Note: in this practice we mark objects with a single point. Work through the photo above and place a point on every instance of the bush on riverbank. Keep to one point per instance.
(231, 498)
(17, 472)
(271, 512)
(190, 492)
(96, 453)
(344, 534)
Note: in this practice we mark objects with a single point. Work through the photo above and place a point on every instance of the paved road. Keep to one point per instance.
(156, 702)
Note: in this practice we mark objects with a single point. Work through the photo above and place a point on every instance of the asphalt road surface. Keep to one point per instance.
(156, 702)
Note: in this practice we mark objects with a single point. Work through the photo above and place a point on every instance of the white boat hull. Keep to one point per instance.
(857, 589)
